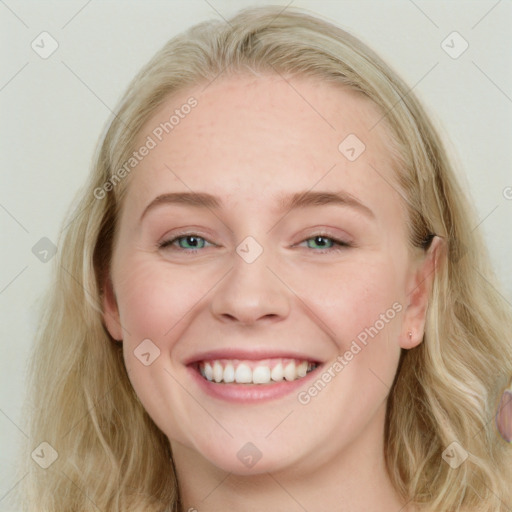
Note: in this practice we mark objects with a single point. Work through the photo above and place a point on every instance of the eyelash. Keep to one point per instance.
(341, 244)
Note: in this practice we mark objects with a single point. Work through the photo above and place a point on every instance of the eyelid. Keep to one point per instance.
(185, 231)
(339, 243)
(170, 239)
(333, 233)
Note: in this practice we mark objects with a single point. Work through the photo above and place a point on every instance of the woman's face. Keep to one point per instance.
(258, 288)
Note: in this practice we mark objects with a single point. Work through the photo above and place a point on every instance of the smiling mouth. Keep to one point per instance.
(267, 371)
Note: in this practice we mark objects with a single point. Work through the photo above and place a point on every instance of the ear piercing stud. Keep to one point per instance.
(410, 335)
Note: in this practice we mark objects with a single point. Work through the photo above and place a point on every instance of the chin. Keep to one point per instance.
(245, 457)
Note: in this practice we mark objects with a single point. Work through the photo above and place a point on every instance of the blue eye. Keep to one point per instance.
(319, 242)
(192, 243)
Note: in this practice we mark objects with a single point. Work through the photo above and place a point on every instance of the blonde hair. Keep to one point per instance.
(111, 456)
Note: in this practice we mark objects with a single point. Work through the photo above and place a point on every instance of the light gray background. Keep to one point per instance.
(53, 111)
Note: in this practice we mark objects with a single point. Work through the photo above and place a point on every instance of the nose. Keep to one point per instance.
(250, 293)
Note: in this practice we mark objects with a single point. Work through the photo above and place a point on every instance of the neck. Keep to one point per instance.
(353, 479)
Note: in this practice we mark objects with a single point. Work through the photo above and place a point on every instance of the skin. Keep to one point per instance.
(248, 140)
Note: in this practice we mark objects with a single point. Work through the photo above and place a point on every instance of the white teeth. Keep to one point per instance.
(234, 371)
(261, 375)
(208, 371)
(229, 373)
(302, 369)
(243, 374)
(290, 372)
(218, 371)
(277, 372)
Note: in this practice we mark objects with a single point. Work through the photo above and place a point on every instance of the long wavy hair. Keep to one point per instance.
(110, 454)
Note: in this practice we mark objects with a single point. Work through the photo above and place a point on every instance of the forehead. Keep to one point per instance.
(247, 137)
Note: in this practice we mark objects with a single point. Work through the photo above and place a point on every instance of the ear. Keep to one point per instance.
(418, 293)
(111, 316)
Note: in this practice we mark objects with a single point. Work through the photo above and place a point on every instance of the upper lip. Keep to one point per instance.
(254, 354)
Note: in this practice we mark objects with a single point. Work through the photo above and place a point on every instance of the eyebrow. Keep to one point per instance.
(294, 201)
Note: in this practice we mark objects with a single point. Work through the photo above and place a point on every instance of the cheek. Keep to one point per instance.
(155, 304)
(353, 296)
(362, 305)
(153, 300)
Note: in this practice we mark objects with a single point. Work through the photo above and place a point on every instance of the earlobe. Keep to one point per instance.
(418, 295)
(110, 310)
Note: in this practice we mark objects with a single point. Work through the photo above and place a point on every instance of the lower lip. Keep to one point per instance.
(249, 393)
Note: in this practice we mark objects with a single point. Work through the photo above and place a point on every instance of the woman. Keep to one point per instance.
(271, 295)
